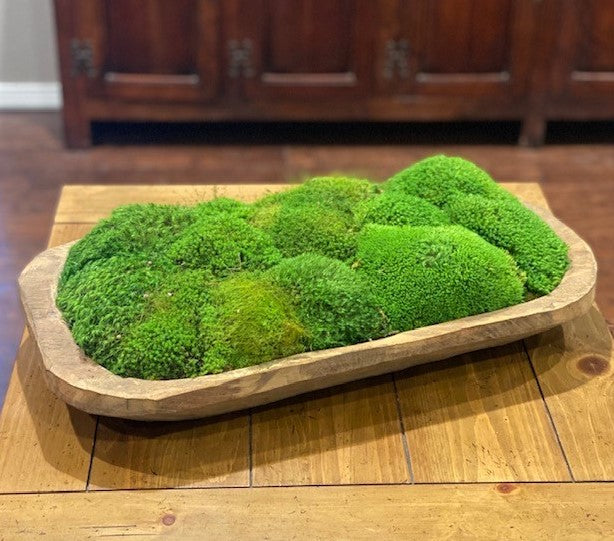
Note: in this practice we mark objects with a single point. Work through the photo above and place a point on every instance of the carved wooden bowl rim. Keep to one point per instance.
(88, 386)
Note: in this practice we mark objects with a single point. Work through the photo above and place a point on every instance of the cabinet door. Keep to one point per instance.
(148, 49)
(461, 47)
(585, 59)
(299, 48)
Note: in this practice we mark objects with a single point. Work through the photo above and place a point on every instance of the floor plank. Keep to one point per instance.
(573, 363)
(344, 435)
(533, 511)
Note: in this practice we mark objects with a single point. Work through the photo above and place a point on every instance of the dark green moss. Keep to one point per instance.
(398, 208)
(426, 275)
(224, 246)
(510, 225)
(439, 179)
(336, 306)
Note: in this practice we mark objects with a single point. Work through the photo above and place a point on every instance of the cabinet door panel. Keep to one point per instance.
(301, 48)
(587, 37)
(151, 49)
(465, 47)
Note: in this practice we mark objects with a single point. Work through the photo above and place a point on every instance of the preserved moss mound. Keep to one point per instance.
(168, 291)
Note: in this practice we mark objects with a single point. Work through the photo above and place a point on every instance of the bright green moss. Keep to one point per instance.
(439, 179)
(254, 322)
(510, 225)
(143, 229)
(161, 291)
(426, 275)
(336, 306)
(398, 208)
(224, 246)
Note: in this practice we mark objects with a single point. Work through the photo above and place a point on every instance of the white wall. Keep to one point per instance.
(28, 58)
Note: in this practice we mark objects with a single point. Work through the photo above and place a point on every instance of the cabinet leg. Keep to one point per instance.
(533, 131)
(77, 134)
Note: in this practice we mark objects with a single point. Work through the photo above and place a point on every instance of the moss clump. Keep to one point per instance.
(439, 179)
(335, 305)
(221, 207)
(398, 208)
(426, 275)
(315, 217)
(223, 245)
(254, 322)
(510, 225)
(103, 301)
(143, 229)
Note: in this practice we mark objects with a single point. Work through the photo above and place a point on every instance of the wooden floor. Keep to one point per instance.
(578, 181)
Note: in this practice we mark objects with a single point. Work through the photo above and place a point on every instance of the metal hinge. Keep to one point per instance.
(397, 59)
(82, 55)
(240, 58)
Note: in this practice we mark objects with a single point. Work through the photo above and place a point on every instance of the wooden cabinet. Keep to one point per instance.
(525, 60)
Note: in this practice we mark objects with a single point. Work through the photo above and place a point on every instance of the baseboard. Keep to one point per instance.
(29, 95)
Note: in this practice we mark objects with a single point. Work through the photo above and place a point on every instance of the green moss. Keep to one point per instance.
(143, 229)
(426, 275)
(510, 225)
(220, 208)
(105, 299)
(398, 208)
(314, 217)
(314, 229)
(161, 291)
(335, 305)
(224, 246)
(439, 179)
(254, 322)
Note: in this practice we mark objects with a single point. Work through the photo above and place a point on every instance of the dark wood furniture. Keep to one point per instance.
(527, 60)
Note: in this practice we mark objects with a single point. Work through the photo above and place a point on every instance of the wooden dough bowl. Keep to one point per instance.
(88, 386)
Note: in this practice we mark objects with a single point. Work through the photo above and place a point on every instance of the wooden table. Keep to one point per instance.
(511, 442)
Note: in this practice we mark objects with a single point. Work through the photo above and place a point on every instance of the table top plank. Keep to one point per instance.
(210, 452)
(88, 203)
(45, 445)
(574, 365)
(479, 417)
(481, 511)
(345, 435)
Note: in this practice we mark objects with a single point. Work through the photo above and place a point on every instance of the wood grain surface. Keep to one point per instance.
(573, 364)
(345, 435)
(479, 416)
(45, 445)
(580, 511)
